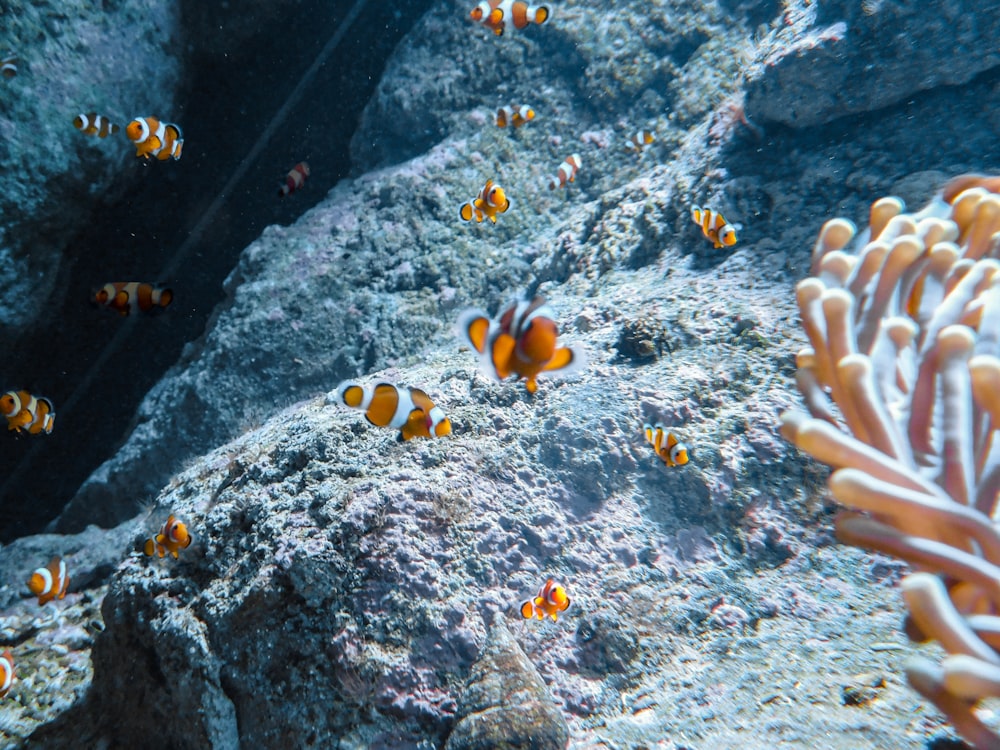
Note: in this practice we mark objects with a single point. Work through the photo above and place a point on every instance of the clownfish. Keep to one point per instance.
(6, 672)
(521, 342)
(23, 411)
(8, 66)
(566, 173)
(155, 138)
(494, 14)
(408, 410)
(492, 200)
(95, 124)
(551, 600)
(515, 116)
(172, 538)
(672, 451)
(714, 226)
(295, 179)
(129, 296)
(639, 140)
(50, 582)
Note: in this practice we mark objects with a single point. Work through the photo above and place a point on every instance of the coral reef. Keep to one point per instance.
(904, 341)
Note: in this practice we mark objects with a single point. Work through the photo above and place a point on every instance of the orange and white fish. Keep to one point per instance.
(492, 200)
(50, 582)
(408, 410)
(295, 179)
(6, 672)
(566, 173)
(714, 226)
(516, 116)
(23, 411)
(8, 66)
(521, 342)
(130, 296)
(172, 538)
(639, 140)
(672, 451)
(92, 123)
(495, 14)
(551, 600)
(155, 138)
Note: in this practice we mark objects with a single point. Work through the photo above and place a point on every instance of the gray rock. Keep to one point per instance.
(505, 704)
(828, 60)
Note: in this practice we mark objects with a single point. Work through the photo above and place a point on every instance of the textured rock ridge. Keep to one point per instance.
(505, 704)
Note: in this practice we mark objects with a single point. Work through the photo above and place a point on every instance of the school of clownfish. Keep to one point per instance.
(520, 342)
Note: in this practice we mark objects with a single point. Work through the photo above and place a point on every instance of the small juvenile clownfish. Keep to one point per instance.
(494, 14)
(295, 179)
(50, 582)
(128, 296)
(672, 451)
(8, 66)
(155, 138)
(522, 342)
(714, 226)
(408, 410)
(23, 411)
(516, 116)
(172, 538)
(6, 672)
(95, 124)
(551, 600)
(639, 140)
(566, 173)
(492, 200)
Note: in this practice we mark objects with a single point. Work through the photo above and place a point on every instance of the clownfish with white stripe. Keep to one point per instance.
(495, 14)
(50, 582)
(295, 179)
(638, 141)
(521, 342)
(6, 672)
(408, 410)
(172, 538)
(515, 116)
(131, 296)
(153, 137)
(567, 172)
(714, 226)
(670, 450)
(8, 65)
(33, 414)
(492, 200)
(92, 123)
(551, 600)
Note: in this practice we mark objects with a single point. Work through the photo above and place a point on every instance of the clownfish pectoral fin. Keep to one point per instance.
(500, 355)
(473, 329)
(566, 360)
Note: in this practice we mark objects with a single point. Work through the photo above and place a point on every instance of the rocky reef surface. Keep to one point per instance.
(341, 584)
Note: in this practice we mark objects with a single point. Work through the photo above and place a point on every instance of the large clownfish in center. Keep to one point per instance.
(551, 600)
(408, 410)
(521, 342)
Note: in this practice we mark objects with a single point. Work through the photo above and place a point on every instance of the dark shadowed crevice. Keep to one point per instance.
(232, 92)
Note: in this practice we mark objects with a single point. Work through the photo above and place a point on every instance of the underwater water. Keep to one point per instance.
(502, 374)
